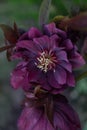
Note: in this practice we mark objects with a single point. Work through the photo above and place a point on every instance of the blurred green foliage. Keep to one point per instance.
(25, 14)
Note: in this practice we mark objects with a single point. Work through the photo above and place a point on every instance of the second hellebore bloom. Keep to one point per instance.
(48, 60)
(35, 118)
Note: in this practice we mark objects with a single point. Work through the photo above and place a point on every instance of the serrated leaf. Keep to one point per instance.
(44, 12)
(16, 29)
(9, 33)
(78, 22)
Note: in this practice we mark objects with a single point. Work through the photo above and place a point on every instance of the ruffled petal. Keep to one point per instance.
(52, 81)
(66, 65)
(43, 42)
(54, 41)
(29, 119)
(68, 44)
(60, 75)
(51, 29)
(19, 77)
(34, 32)
(70, 79)
(77, 61)
(62, 55)
(24, 37)
(26, 44)
(64, 117)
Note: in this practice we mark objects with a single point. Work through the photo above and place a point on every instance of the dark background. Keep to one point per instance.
(25, 14)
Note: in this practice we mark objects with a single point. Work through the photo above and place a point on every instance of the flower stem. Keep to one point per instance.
(4, 48)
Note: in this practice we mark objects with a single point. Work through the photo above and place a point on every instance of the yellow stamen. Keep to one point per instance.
(45, 61)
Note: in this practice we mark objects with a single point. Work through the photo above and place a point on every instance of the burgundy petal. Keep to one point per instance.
(34, 119)
(34, 74)
(77, 62)
(51, 29)
(62, 55)
(16, 55)
(52, 81)
(26, 44)
(66, 65)
(19, 77)
(24, 37)
(68, 44)
(43, 42)
(54, 40)
(64, 117)
(61, 33)
(34, 32)
(76, 59)
(29, 119)
(60, 75)
(70, 79)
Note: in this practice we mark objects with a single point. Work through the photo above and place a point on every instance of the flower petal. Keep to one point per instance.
(43, 42)
(24, 37)
(29, 119)
(34, 32)
(19, 77)
(60, 75)
(54, 40)
(70, 79)
(62, 55)
(68, 44)
(65, 116)
(51, 29)
(76, 59)
(66, 65)
(52, 81)
(77, 62)
(26, 44)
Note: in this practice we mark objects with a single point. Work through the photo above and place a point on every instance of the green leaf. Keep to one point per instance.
(60, 8)
(79, 2)
(82, 4)
(81, 76)
(44, 12)
(69, 4)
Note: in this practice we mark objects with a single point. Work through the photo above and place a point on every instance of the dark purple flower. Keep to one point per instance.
(64, 117)
(48, 60)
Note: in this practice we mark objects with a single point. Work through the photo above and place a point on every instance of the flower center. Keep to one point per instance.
(46, 61)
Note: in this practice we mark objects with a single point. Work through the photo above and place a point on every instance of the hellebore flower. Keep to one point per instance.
(48, 60)
(36, 118)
